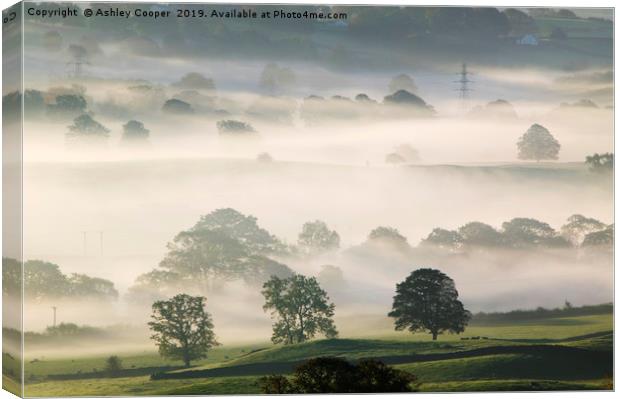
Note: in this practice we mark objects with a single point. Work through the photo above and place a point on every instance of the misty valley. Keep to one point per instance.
(411, 199)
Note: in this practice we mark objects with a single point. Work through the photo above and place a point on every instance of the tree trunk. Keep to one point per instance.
(186, 356)
(434, 335)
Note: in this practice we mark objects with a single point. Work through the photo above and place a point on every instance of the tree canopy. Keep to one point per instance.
(300, 307)
(428, 301)
(222, 246)
(577, 227)
(315, 238)
(85, 126)
(182, 328)
(538, 144)
(233, 127)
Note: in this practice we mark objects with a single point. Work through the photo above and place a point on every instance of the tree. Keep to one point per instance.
(204, 258)
(337, 375)
(538, 144)
(389, 236)
(264, 157)
(600, 163)
(325, 375)
(275, 384)
(578, 227)
(85, 286)
(527, 232)
(316, 237)
(404, 97)
(363, 98)
(243, 228)
(275, 79)
(402, 82)
(222, 246)
(67, 106)
(331, 277)
(195, 81)
(34, 104)
(600, 238)
(233, 127)
(445, 239)
(428, 301)
(178, 107)
(84, 126)
(407, 152)
(134, 131)
(44, 280)
(394, 158)
(182, 329)
(113, 365)
(301, 309)
(478, 234)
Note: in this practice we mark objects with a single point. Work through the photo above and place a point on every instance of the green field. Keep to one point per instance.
(565, 353)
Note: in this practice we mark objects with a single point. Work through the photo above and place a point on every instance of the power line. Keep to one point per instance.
(464, 84)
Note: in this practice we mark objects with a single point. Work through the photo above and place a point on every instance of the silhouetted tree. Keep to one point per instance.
(428, 301)
(301, 309)
(316, 237)
(182, 329)
(538, 144)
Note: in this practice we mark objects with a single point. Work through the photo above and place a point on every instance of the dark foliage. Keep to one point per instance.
(337, 375)
(428, 301)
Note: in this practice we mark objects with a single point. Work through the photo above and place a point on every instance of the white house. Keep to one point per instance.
(528, 40)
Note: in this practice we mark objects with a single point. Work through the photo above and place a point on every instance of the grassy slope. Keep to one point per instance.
(512, 371)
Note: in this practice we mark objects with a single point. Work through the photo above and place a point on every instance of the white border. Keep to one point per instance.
(498, 3)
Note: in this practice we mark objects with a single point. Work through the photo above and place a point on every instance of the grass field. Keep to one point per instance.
(566, 353)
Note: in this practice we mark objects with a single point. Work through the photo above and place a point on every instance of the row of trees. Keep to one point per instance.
(86, 129)
(226, 245)
(426, 301)
(44, 280)
(524, 233)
